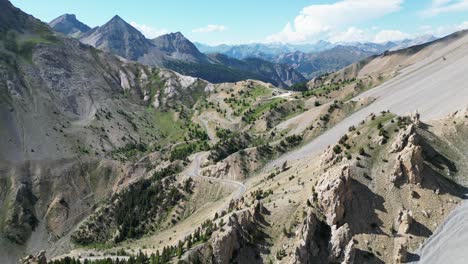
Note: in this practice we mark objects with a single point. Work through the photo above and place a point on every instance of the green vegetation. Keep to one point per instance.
(183, 151)
(326, 89)
(252, 114)
(300, 87)
(136, 211)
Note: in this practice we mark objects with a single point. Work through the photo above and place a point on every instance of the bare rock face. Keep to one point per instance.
(333, 191)
(226, 242)
(410, 161)
(57, 214)
(403, 221)
(409, 166)
(340, 240)
(400, 250)
(40, 258)
(416, 119)
(349, 253)
(306, 246)
(402, 139)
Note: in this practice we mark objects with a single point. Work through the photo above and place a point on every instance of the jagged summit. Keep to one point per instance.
(118, 37)
(179, 47)
(69, 25)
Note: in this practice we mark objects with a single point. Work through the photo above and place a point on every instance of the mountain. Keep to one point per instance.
(277, 72)
(106, 160)
(69, 25)
(315, 64)
(176, 52)
(71, 116)
(312, 59)
(118, 37)
(261, 50)
(178, 47)
(413, 42)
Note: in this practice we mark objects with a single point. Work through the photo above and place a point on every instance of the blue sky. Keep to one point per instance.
(245, 21)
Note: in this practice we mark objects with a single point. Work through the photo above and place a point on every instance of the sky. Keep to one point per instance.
(287, 21)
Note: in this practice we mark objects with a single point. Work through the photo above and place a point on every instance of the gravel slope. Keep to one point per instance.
(434, 87)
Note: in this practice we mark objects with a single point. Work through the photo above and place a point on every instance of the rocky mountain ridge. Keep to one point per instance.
(176, 52)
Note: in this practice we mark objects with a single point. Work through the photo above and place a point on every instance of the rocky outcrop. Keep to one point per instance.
(39, 258)
(403, 221)
(402, 139)
(410, 161)
(56, 215)
(236, 233)
(332, 192)
(307, 247)
(400, 249)
(341, 245)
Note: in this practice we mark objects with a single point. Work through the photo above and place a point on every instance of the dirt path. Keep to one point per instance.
(193, 170)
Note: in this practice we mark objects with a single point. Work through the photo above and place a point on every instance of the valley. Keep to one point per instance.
(116, 148)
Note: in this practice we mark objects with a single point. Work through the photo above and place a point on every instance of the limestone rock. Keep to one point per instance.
(40, 258)
(225, 243)
(340, 238)
(400, 250)
(403, 221)
(306, 246)
(402, 139)
(332, 192)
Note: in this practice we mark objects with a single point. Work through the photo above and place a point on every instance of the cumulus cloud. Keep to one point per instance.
(148, 31)
(446, 6)
(352, 34)
(210, 28)
(317, 20)
(390, 35)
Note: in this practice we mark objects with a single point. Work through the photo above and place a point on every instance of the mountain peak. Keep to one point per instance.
(117, 18)
(69, 25)
(178, 45)
(119, 37)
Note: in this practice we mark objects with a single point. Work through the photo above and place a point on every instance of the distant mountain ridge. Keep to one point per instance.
(312, 60)
(174, 51)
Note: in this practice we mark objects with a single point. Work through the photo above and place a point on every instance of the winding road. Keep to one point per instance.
(193, 170)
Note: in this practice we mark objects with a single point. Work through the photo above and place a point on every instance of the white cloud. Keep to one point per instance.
(354, 34)
(210, 28)
(148, 31)
(446, 6)
(316, 20)
(351, 35)
(444, 30)
(390, 35)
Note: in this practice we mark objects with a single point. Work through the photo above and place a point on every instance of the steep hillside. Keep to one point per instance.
(377, 69)
(73, 118)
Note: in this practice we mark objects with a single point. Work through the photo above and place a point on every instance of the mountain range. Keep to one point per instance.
(172, 51)
(280, 64)
(312, 60)
(107, 160)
